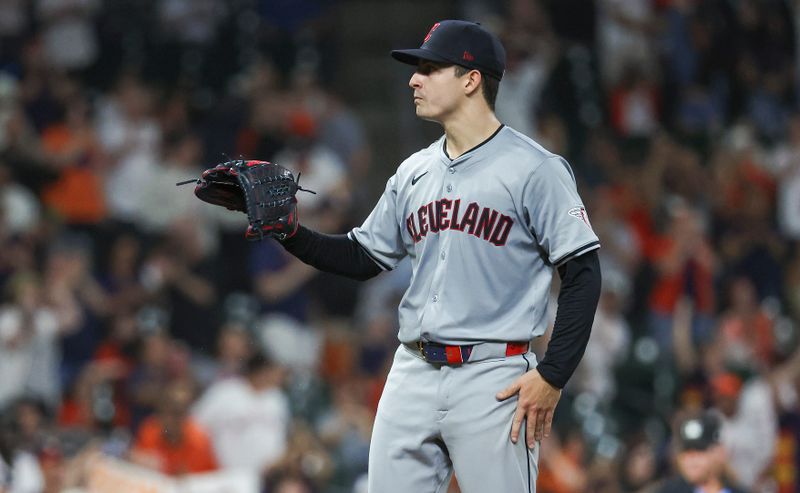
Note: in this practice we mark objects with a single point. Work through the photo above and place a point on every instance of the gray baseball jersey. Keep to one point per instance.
(484, 233)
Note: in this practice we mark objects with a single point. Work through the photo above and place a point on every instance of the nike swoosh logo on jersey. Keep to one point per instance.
(416, 178)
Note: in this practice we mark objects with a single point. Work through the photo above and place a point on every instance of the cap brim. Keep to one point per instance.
(413, 56)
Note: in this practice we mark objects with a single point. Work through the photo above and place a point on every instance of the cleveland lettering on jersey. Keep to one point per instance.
(443, 214)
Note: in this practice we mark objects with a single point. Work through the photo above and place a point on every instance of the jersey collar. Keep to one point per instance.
(460, 159)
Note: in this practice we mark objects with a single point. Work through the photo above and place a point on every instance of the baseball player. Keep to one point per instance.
(486, 216)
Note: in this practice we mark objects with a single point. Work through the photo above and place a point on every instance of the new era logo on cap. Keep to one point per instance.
(461, 43)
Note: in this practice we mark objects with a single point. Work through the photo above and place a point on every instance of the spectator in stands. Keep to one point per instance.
(30, 328)
(21, 211)
(625, 29)
(305, 456)
(622, 251)
(639, 467)
(786, 161)
(321, 170)
(684, 264)
(31, 418)
(562, 469)
(69, 284)
(749, 243)
(265, 133)
(150, 375)
(120, 278)
(74, 150)
(68, 34)
(247, 417)
(280, 280)
(164, 206)
(338, 127)
(19, 470)
(608, 344)
(179, 275)
(14, 24)
(635, 104)
(745, 333)
(131, 137)
(235, 347)
(171, 441)
(749, 425)
(94, 402)
(187, 27)
(346, 429)
(531, 52)
(20, 145)
(700, 457)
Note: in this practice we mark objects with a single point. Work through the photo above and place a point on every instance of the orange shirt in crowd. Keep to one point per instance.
(78, 192)
(755, 333)
(194, 454)
(669, 287)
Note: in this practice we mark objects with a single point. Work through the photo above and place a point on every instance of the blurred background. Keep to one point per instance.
(143, 341)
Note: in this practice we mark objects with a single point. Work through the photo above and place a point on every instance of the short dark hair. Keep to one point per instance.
(489, 84)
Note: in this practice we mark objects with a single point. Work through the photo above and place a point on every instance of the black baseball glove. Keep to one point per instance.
(264, 191)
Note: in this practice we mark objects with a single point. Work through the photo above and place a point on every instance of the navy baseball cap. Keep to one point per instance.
(461, 43)
(699, 431)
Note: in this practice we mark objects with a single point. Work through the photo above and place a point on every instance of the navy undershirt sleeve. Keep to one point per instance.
(577, 303)
(336, 254)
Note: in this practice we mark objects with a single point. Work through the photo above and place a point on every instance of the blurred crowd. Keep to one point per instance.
(138, 323)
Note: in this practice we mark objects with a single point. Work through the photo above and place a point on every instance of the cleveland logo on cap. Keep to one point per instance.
(428, 36)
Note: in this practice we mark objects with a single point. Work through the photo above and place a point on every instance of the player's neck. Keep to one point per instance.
(467, 129)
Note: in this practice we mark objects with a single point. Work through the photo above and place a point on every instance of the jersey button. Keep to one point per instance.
(443, 255)
(435, 298)
(451, 170)
(449, 188)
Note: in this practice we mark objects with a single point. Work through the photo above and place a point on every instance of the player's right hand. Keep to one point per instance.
(536, 405)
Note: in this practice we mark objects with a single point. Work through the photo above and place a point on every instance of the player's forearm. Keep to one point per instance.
(337, 254)
(577, 303)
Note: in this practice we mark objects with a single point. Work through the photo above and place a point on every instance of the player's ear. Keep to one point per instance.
(472, 82)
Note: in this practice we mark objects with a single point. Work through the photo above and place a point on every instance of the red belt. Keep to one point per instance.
(434, 352)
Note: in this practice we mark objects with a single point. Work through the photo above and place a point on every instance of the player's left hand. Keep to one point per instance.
(536, 404)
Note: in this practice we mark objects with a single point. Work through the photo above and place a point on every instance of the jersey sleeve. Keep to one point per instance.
(555, 212)
(380, 235)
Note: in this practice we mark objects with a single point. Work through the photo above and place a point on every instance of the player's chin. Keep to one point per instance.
(426, 114)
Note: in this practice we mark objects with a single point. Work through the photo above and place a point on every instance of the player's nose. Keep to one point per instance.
(416, 81)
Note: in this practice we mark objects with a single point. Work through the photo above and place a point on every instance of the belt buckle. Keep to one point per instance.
(421, 347)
